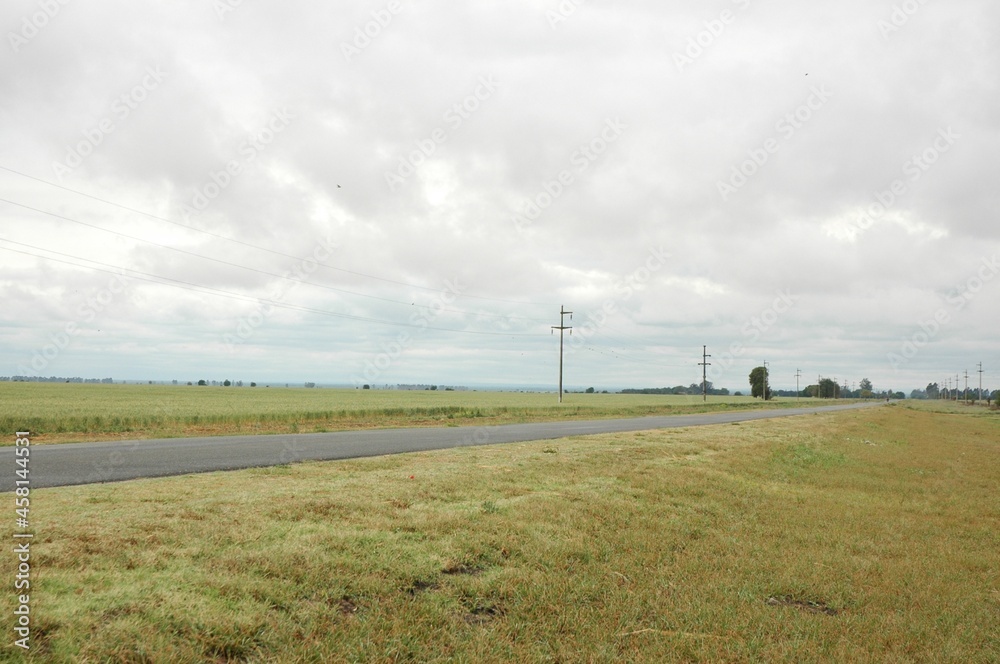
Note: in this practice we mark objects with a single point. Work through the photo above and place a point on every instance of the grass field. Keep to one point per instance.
(858, 536)
(69, 412)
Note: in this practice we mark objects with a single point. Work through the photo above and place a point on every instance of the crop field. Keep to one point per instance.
(69, 412)
(857, 536)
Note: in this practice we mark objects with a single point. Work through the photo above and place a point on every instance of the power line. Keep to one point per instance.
(980, 381)
(704, 378)
(562, 327)
(247, 267)
(157, 279)
(240, 242)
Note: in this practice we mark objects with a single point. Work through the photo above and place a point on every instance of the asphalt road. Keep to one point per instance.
(90, 463)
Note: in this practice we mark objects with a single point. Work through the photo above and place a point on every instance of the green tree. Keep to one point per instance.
(758, 377)
(866, 388)
(829, 389)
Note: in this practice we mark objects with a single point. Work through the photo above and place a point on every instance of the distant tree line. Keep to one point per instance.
(55, 379)
(692, 389)
(935, 391)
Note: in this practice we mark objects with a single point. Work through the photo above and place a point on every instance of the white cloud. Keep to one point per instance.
(797, 222)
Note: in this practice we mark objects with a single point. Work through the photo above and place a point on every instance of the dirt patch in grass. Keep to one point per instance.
(461, 569)
(347, 606)
(807, 605)
(421, 585)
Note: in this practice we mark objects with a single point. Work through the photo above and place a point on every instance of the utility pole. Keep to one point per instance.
(704, 364)
(980, 381)
(956, 387)
(562, 327)
(819, 386)
(764, 395)
(966, 385)
(798, 374)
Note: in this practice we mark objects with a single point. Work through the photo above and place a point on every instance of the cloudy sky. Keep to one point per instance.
(395, 192)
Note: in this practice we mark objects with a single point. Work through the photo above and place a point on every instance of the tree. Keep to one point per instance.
(758, 377)
(865, 388)
(828, 389)
(933, 391)
(226, 383)
(590, 390)
(202, 382)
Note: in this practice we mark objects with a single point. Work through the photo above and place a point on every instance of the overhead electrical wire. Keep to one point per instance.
(158, 279)
(177, 283)
(251, 245)
(253, 269)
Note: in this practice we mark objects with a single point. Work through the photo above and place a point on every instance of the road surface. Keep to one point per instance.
(89, 463)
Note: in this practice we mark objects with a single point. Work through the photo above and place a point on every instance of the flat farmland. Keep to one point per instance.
(857, 536)
(72, 412)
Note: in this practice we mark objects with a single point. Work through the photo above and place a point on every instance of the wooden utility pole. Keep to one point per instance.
(704, 378)
(562, 327)
(764, 395)
(798, 374)
(980, 381)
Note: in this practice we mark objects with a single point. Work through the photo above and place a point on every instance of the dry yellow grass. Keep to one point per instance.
(856, 536)
(71, 412)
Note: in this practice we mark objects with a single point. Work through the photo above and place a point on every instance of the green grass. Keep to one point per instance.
(61, 412)
(952, 407)
(859, 536)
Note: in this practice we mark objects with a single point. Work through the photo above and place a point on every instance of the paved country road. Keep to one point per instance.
(90, 463)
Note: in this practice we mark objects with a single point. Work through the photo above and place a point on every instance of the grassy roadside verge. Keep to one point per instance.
(57, 413)
(857, 536)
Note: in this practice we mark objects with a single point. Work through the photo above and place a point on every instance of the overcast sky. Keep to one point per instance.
(395, 192)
